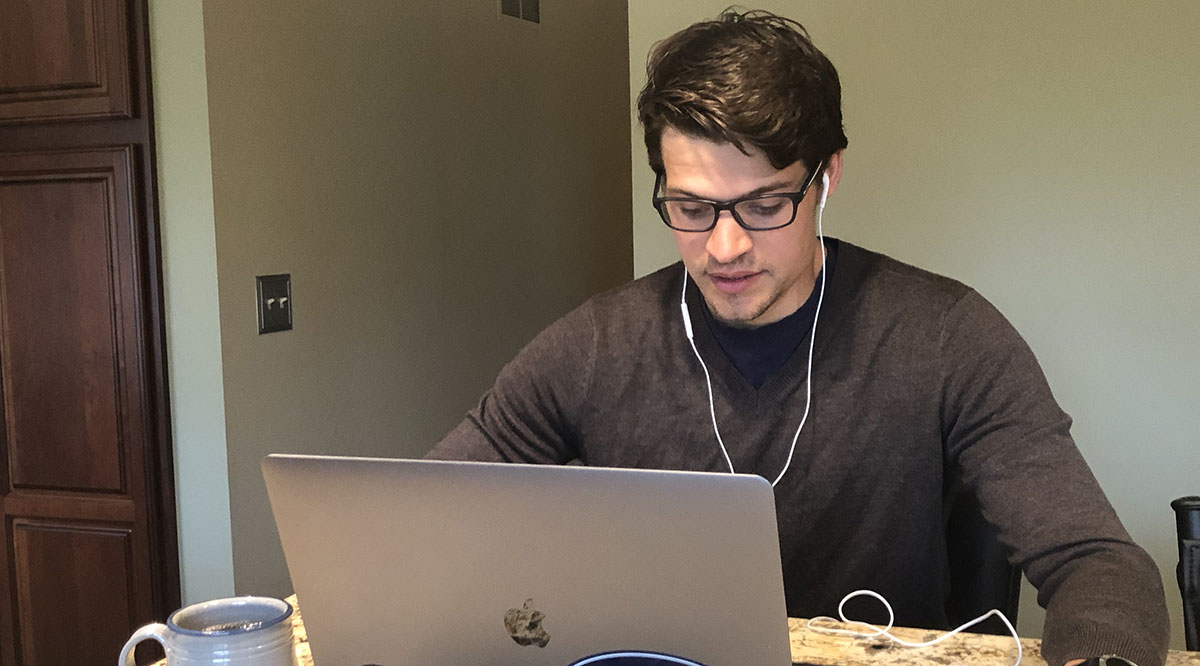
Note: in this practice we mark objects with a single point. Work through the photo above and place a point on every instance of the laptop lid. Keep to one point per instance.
(425, 562)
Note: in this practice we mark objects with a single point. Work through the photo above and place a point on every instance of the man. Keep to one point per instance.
(862, 387)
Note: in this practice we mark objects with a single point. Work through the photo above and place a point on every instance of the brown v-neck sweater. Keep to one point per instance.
(917, 382)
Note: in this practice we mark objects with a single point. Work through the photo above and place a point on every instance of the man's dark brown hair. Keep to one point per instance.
(753, 79)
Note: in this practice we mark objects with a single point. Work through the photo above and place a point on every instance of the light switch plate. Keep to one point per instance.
(274, 303)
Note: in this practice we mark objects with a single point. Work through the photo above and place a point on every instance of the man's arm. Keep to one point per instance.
(1011, 443)
(530, 414)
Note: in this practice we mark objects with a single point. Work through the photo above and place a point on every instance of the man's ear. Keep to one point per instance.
(834, 171)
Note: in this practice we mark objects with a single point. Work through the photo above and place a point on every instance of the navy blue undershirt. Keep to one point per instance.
(758, 353)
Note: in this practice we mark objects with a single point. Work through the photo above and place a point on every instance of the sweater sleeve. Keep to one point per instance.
(1011, 444)
(530, 414)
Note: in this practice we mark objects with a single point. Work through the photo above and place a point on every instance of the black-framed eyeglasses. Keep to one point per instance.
(759, 212)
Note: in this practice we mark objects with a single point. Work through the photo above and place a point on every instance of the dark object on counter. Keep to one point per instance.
(1187, 526)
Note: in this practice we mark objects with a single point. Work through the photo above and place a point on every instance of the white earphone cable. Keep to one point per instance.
(813, 624)
(812, 339)
(712, 410)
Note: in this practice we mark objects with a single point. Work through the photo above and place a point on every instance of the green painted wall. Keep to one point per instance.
(441, 182)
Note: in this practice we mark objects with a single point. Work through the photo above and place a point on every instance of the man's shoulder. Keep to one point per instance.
(647, 296)
(881, 292)
(880, 277)
(630, 311)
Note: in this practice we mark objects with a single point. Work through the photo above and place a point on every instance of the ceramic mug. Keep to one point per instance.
(240, 631)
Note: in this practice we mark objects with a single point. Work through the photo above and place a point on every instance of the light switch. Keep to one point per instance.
(274, 303)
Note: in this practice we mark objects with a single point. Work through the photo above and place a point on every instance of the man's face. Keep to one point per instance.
(748, 278)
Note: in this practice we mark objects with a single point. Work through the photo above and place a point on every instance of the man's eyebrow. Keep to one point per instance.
(764, 189)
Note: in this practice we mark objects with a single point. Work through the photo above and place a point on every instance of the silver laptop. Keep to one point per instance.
(419, 562)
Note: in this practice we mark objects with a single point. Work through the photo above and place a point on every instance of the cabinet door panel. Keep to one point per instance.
(74, 592)
(64, 236)
(64, 59)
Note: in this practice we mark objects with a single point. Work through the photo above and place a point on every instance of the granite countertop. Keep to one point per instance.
(967, 649)
(814, 647)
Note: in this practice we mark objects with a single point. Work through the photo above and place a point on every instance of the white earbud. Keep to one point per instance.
(824, 189)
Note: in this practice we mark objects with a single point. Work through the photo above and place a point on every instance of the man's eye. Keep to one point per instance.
(695, 211)
(765, 208)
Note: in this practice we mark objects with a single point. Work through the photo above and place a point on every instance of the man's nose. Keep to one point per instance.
(728, 240)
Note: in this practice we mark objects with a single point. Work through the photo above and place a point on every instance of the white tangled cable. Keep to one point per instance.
(886, 631)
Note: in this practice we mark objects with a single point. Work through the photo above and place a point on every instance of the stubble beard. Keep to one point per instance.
(740, 311)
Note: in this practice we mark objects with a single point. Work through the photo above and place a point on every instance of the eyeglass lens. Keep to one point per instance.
(760, 213)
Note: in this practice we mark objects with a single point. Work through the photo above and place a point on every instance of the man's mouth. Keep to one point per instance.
(733, 282)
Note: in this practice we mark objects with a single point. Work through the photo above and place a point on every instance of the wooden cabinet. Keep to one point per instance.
(89, 551)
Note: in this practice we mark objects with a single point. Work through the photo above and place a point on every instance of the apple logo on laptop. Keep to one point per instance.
(524, 624)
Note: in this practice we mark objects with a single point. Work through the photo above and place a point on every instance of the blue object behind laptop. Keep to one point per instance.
(635, 659)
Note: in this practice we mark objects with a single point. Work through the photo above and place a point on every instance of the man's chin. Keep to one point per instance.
(737, 315)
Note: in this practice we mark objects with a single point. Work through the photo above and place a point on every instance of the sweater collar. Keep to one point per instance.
(839, 289)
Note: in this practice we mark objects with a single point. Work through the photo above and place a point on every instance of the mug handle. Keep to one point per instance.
(154, 631)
